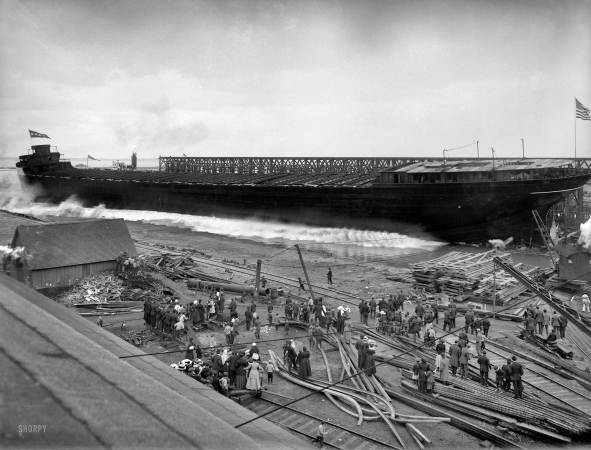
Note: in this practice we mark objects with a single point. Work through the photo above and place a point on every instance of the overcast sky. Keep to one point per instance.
(295, 78)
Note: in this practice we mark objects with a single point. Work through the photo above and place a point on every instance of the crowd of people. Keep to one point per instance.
(231, 369)
(226, 369)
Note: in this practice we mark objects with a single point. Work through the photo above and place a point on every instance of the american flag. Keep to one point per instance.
(582, 112)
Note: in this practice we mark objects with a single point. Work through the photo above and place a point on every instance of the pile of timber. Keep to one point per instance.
(467, 397)
(175, 265)
(457, 273)
(559, 423)
(107, 287)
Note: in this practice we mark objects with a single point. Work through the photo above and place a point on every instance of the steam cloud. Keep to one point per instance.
(585, 237)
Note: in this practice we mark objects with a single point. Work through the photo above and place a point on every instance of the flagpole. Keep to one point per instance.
(575, 127)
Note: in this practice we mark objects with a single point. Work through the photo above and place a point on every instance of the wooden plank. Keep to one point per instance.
(311, 424)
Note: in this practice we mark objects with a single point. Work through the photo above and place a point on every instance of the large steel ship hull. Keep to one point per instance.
(454, 212)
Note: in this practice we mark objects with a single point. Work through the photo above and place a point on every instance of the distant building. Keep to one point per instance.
(56, 256)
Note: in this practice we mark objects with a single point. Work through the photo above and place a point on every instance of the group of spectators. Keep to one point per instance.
(226, 369)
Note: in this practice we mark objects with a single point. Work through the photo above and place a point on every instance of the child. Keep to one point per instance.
(500, 377)
(270, 369)
(430, 381)
(224, 384)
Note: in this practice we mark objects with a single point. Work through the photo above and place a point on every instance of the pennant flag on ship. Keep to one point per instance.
(94, 159)
(34, 134)
(582, 112)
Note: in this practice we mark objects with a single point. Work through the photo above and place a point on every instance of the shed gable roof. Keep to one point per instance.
(73, 243)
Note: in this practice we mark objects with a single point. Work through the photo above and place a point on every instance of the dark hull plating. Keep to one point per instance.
(455, 212)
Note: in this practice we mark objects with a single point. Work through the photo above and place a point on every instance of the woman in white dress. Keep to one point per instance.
(255, 370)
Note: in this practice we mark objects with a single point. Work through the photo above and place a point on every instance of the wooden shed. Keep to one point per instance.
(56, 256)
(574, 262)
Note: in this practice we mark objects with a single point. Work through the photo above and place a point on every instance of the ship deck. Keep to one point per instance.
(332, 179)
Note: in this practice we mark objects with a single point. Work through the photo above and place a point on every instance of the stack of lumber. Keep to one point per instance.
(179, 266)
(530, 416)
(457, 273)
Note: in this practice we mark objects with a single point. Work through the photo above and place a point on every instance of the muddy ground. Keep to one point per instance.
(352, 275)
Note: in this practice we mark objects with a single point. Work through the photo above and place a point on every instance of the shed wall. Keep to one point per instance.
(67, 276)
(576, 266)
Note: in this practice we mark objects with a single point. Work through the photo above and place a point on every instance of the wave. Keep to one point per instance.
(13, 198)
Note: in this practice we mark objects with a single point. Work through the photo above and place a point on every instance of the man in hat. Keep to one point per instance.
(485, 365)
(469, 318)
(464, 359)
(361, 345)
(372, 308)
(248, 318)
(547, 320)
(516, 374)
(507, 376)
(563, 323)
(232, 366)
(555, 320)
(539, 316)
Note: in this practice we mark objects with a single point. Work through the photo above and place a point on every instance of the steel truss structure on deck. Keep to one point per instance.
(246, 165)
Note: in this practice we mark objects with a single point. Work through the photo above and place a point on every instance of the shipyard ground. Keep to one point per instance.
(351, 274)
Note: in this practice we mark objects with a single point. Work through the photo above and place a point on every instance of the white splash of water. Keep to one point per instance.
(14, 200)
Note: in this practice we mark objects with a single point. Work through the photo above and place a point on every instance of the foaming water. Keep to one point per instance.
(342, 241)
